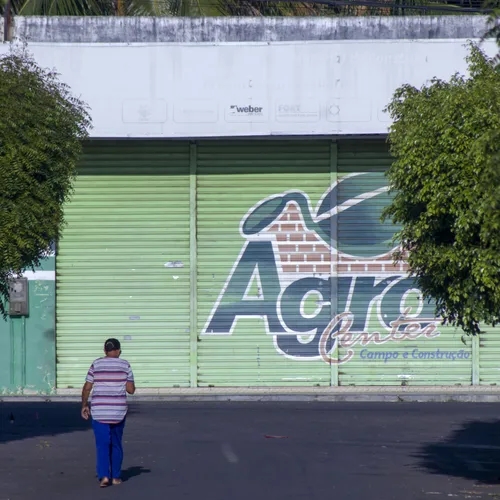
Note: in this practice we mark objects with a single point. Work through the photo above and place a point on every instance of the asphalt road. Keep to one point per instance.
(259, 451)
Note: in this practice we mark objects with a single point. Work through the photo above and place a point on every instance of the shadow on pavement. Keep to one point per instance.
(27, 420)
(471, 452)
(133, 472)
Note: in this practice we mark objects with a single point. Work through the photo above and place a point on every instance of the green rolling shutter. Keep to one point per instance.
(489, 351)
(377, 293)
(269, 215)
(244, 270)
(123, 262)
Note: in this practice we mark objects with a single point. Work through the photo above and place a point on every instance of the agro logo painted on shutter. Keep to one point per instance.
(291, 258)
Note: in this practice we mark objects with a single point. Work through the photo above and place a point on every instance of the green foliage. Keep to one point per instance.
(207, 8)
(90, 7)
(446, 185)
(113, 7)
(41, 131)
(191, 8)
(494, 24)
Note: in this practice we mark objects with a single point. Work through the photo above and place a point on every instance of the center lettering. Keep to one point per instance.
(341, 319)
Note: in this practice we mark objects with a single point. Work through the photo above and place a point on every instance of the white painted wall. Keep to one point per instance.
(300, 88)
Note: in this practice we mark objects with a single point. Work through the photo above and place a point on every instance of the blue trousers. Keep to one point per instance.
(108, 442)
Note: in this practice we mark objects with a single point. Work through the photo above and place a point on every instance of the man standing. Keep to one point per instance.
(109, 379)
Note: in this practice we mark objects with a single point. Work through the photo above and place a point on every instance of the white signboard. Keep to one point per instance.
(250, 89)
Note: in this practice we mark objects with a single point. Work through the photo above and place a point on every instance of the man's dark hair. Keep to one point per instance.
(112, 345)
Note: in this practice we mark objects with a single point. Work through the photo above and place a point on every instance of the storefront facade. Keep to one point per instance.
(226, 220)
(253, 262)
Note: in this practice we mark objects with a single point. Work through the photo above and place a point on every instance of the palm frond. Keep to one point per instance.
(494, 25)
(62, 7)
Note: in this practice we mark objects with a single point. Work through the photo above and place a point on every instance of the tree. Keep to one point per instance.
(192, 8)
(87, 7)
(445, 186)
(494, 24)
(41, 133)
(111, 7)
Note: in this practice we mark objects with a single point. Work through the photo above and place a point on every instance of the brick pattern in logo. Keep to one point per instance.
(303, 251)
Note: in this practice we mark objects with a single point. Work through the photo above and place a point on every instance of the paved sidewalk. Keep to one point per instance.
(258, 451)
(478, 393)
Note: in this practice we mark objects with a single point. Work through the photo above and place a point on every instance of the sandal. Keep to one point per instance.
(117, 481)
(104, 483)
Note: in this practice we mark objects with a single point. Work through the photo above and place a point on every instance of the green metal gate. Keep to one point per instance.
(255, 209)
(123, 262)
(486, 351)
(392, 336)
(247, 263)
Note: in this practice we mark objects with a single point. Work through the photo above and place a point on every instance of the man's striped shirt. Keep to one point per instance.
(109, 395)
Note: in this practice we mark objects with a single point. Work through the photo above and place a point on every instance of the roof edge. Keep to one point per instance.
(245, 29)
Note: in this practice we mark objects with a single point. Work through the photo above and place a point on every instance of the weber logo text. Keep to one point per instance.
(246, 109)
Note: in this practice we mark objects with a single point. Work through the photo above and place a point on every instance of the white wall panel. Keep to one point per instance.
(241, 89)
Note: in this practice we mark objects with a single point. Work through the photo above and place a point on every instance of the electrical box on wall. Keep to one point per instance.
(18, 297)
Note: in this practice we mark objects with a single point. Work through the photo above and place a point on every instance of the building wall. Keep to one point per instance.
(229, 78)
(227, 269)
(108, 30)
(27, 345)
(225, 78)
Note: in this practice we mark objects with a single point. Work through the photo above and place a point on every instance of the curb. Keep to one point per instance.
(304, 398)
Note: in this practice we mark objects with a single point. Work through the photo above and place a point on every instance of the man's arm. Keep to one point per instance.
(87, 389)
(130, 387)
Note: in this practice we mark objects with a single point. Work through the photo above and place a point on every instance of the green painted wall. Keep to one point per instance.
(27, 345)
